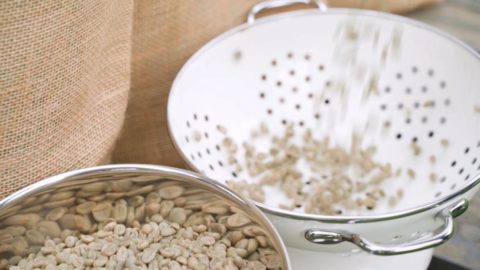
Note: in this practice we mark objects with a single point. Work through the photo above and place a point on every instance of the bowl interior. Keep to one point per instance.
(139, 185)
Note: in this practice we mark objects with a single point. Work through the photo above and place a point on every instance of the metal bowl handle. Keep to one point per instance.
(280, 3)
(438, 237)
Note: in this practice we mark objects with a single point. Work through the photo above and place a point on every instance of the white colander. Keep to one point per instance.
(292, 68)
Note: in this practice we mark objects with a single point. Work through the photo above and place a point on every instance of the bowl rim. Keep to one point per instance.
(446, 199)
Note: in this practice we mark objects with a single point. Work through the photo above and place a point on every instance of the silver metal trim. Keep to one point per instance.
(331, 12)
(168, 171)
(281, 3)
(438, 237)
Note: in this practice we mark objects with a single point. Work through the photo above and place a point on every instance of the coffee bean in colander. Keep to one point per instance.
(407, 89)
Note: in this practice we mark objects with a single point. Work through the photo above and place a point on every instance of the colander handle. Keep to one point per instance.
(438, 237)
(280, 3)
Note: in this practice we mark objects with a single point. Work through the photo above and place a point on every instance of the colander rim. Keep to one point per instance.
(314, 12)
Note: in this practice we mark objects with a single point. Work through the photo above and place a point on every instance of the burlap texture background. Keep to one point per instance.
(65, 73)
(65, 76)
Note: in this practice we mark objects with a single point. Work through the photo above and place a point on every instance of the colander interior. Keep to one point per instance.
(292, 70)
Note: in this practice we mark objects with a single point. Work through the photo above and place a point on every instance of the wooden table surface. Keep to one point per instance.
(462, 19)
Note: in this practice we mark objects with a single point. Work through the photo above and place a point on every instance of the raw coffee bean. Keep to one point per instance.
(271, 261)
(237, 220)
(178, 215)
(148, 255)
(109, 249)
(243, 243)
(130, 215)
(95, 187)
(180, 201)
(32, 209)
(166, 207)
(25, 220)
(168, 231)
(136, 201)
(34, 237)
(60, 196)
(12, 231)
(119, 229)
(97, 198)
(262, 241)
(252, 246)
(102, 211)
(111, 196)
(171, 192)
(49, 228)
(85, 208)
(121, 185)
(140, 191)
(56, 213)
(119, 211)
(140, 213)
(253, 230)
(86, 238)
(153, 197)
(20, 246)
(152, 208)
(234, 236)
(82, 223)
(217, 228)
(218, 208)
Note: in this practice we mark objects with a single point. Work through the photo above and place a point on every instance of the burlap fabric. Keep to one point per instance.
(64, 80)
(65, 74)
